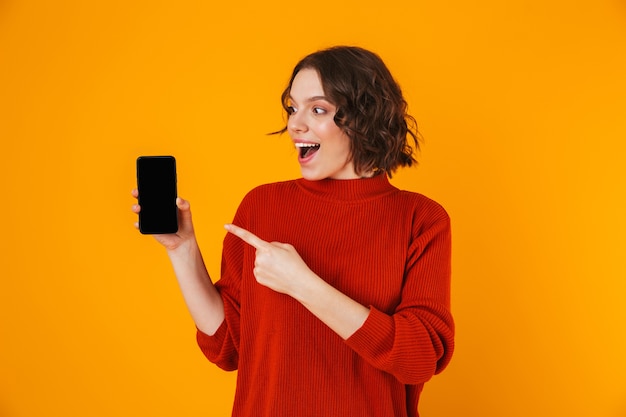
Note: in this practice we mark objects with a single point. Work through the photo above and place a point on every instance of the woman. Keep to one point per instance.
(334, 295)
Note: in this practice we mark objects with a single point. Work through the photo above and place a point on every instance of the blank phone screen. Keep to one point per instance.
(156, 183)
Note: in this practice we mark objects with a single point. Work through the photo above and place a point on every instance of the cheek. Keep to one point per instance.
(342, 143)
(332, 135)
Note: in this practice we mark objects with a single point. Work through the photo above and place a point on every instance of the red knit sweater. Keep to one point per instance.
(387, 249)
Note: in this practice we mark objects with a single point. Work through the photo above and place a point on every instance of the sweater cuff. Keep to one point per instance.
(211, 343)
(374, 337)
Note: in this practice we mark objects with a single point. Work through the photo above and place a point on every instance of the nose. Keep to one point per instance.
(297, 122)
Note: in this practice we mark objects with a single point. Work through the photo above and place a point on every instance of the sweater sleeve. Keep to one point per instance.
(417, 340)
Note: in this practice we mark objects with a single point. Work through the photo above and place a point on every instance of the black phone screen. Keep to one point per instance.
(156, 184)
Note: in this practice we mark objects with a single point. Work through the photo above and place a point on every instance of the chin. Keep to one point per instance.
(311, 177)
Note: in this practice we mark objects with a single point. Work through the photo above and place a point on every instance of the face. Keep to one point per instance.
(323, 148)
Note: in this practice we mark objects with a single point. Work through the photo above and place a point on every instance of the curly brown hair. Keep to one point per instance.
(370, 107)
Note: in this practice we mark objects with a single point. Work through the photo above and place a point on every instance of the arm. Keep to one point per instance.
(414, 341)
(338, 311)
(202, 298)
(279, 267)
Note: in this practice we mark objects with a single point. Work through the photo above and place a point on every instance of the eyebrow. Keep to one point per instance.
(311, 99)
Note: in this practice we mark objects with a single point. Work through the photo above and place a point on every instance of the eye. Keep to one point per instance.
(319, 110)
(291, 110)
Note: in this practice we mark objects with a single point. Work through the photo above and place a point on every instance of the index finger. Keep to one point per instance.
(248, 237)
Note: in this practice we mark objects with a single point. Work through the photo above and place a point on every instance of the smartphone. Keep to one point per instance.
(156, 184)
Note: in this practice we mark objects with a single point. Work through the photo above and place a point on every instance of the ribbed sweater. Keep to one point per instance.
(386, 248)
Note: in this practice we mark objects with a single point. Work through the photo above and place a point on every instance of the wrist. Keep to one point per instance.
(310, 286)
(185, 249)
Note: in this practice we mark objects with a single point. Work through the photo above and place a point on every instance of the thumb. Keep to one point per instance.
(184, 209)
(182, 204)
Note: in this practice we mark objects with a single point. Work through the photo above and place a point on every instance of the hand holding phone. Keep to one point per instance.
(156, 184)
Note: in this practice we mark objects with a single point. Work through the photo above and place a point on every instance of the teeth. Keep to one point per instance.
(306, 149)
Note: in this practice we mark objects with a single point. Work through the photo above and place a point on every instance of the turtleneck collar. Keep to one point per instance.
(348, 190)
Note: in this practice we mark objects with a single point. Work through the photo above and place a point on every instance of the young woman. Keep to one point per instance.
(334, 295)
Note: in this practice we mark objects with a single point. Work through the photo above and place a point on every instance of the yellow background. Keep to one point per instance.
(523, 108)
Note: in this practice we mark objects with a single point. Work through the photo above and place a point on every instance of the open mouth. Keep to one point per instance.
(307, 149)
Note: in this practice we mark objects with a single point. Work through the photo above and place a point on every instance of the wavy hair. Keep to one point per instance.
(370, 107)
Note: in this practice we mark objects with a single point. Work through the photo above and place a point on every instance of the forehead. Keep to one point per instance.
(306, 84)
